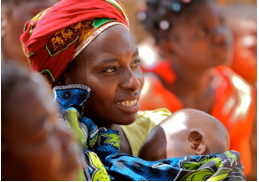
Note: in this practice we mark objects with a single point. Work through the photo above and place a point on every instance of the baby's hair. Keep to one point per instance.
(237, 12)
(160, 15)
(11, 76)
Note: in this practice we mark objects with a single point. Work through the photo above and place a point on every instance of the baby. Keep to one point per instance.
(184, 133)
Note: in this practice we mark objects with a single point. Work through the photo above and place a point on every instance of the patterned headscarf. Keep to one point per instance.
(57, 35)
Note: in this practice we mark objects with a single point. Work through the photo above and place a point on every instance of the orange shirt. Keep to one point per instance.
(234, 104)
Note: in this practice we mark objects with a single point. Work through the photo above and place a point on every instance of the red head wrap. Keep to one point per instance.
(55, 36)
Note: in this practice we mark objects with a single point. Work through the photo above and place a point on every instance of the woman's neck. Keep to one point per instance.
(107, 125)
(191, 81)
(196, 88)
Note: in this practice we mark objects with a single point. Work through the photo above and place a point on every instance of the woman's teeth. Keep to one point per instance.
(128, 103)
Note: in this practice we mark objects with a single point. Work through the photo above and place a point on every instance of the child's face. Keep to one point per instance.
(110, 67)
(245, 51)
(37, 145)
(202, 40)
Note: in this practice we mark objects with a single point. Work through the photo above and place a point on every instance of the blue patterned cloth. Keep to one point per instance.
(101, 151)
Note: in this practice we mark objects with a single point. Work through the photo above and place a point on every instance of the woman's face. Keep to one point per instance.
(110, 67)
(203, 40)
(37, 146)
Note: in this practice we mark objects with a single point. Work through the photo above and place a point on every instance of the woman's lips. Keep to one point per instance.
(128, 106)
(128, 103)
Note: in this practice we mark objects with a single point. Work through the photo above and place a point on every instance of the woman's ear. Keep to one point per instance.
(197, 142)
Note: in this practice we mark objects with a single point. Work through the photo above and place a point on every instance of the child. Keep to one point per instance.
(194, 41)
(34, 146)
(184, 133)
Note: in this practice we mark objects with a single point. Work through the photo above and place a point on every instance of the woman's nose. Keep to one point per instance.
(130, 81)
(222, 34)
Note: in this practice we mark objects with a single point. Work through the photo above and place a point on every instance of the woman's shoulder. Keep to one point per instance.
(147, 120)
(142, 126)
(152, 116)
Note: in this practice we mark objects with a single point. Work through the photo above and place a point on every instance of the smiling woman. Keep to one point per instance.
(85, 45)
(109, 65)
(114, 77)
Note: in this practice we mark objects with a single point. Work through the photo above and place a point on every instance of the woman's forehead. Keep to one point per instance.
(114, 41)
(115, 35)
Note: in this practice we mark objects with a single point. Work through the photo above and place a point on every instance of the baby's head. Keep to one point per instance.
(184, 133)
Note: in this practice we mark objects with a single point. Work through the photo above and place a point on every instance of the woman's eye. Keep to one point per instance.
(110, 70)
(136, 63)
(203, 32)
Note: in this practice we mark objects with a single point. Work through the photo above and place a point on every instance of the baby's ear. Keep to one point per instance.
(197, 142)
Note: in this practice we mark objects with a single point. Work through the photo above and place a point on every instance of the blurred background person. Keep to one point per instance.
(242, 19)
(14, 14)
(34, 145)
(194, 41)
(146, 44)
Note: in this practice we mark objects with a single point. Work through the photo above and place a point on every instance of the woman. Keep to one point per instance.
(34, 145)
(104, 58)
(114, 76)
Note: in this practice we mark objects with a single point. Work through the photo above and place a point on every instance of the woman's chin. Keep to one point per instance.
(127, 120)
